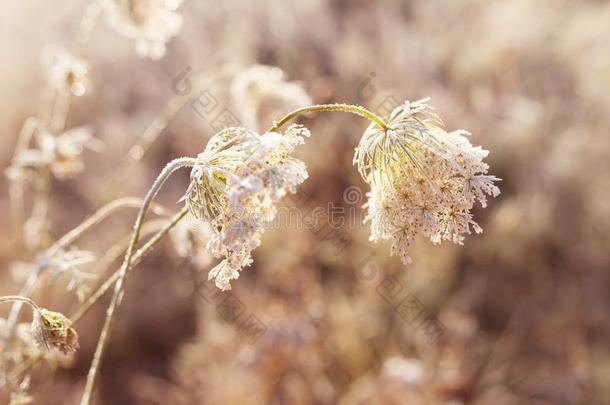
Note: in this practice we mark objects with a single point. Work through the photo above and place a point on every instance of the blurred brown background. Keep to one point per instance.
(519, 315)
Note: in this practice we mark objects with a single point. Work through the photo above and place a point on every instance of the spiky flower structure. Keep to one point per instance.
(423, 179)
(235, 186)
(52, 330)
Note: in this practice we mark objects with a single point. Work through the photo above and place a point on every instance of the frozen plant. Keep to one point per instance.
(150, 23)
(235, 185)
(50, 330)
(423, 179)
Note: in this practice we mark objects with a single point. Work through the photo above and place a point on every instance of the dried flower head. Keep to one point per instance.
(151, 23)
(61, 153)
(423, 180)
(52, 330)
(65, 71)
(240, 177)
(24, 347)
(261, 92)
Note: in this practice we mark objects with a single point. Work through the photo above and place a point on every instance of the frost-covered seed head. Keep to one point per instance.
(423, 179)
(234, 188)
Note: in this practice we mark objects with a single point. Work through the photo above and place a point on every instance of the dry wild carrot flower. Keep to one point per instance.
(240, 177)
(262, 89)
(65, 71)
(423, 179)
(151, 23)
(52, 330)
(61, 153)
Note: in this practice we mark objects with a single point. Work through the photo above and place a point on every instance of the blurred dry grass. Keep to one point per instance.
(525, 307)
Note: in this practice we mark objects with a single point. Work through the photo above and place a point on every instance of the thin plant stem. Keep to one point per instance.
(38, 220)
(354, 109)
(137, 258)
(13, 298)
(119, 248)
(61, 110)
(100, 215)
(64, 242)
(88, 23)
(162, 121)
(58, 116)
(16, 185)
(86, 306)
(120, 284)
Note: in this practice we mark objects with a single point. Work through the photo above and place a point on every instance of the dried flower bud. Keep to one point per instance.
(423, 180)
(52, 330)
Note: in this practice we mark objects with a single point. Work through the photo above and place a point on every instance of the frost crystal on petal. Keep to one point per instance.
(240, 177)
(423, 179)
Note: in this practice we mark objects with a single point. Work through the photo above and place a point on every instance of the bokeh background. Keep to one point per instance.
(518, 315)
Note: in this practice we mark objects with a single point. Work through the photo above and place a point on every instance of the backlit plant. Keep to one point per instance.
(423, 181)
